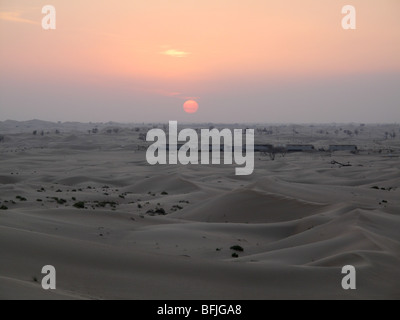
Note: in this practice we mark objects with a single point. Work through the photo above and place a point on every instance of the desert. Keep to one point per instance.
(82, 198)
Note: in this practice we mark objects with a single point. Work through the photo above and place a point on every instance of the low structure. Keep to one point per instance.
(299, 147)
(263, 147)
(343, 147)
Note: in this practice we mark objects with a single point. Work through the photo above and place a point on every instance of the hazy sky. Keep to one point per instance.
(252, 61)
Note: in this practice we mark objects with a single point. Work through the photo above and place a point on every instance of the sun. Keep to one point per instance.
(190, 106)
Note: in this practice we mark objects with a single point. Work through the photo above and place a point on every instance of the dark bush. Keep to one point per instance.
(237, 248)
(79, 205)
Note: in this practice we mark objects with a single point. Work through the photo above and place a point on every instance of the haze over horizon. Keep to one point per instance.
(138, 61)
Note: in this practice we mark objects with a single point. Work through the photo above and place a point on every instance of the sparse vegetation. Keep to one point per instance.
(103, 204)
(383, 188)
(20, 198)
(159, 211)
(176, 208)
(59, 201)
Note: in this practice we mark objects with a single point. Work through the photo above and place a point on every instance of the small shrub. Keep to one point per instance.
(160, 211)
(375, 187)
(237, 248)
(235, 255)
(59, 201)
(176, 208)
(20, 198)
(79, 205)
(103, 204)
(3, 207)
(164, 193)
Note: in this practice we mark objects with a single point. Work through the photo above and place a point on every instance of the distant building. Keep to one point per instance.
(299, 147)
(343, 147)
(263, 147)
(209, 147)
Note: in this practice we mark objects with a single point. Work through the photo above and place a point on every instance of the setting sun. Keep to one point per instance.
(190, 106)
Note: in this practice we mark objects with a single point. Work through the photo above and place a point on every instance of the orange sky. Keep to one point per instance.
(177, 48)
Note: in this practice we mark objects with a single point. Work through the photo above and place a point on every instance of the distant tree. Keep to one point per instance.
(275, 150)
(348, 132)
(34, 132)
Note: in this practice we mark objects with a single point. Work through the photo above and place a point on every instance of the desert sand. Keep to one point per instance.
(87, 202)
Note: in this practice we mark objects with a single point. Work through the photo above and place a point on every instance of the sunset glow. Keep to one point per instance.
(142, 53)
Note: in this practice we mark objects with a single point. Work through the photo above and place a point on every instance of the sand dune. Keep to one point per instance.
(248, 206)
